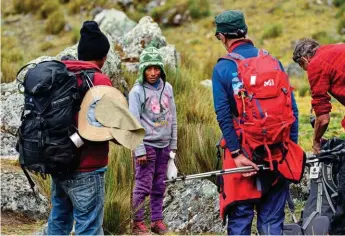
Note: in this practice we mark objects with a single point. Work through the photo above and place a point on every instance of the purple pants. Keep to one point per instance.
(149, 182)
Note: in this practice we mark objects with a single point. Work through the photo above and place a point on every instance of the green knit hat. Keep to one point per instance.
(150, 56)
(230, 22)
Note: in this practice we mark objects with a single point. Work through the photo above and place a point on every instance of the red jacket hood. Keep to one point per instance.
(76, 66)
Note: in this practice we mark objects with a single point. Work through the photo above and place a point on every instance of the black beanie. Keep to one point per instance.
(93, 44)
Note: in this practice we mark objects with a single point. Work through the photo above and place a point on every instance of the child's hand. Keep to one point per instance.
(142, 160)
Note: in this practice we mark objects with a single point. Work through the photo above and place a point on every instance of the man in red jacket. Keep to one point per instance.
(326, 74)
(79, 197)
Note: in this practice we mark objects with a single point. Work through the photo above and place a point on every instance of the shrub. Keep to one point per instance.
(272, 31)
(76, 6)
(46, 46)
(323, 37)
(338, 3)
(303, 90)
(26, 6)
(55, 22)
(48, 8)
(199, 8)
(341, 26)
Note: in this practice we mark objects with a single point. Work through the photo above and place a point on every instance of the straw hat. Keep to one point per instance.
(104, 116)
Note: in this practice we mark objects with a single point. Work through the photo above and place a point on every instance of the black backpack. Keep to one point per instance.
(52, 100)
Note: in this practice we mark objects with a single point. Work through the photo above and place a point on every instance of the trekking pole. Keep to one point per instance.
(217, 173)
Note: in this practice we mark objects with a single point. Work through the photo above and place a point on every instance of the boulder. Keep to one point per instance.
(294, 70)
(133, 43)
(114, 22)
(8, 146)
(192, 207)
(17, 196)
(111, 67)
(140, 36)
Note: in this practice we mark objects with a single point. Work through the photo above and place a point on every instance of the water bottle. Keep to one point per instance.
(236, 83)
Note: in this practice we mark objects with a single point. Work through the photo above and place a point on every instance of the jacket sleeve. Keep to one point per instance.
(223, 98)
(135, 108)
(173, 141)
(294, 127)
(319, 84)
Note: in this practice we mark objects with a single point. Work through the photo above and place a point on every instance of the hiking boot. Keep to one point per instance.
(158, 227)
(139, 228)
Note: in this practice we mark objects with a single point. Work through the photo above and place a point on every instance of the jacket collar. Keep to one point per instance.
(239, 43)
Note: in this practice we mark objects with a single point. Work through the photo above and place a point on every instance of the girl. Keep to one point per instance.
(151, 100)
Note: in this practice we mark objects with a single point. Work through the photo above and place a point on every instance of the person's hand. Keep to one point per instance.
(241, 161)
(142, 160)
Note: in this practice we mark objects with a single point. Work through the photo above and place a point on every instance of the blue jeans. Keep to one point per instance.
(78, 197)
(270, 213)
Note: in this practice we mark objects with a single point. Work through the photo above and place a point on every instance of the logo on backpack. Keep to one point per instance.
(269, 83)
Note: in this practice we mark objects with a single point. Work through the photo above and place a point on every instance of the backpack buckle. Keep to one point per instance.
(285, 91)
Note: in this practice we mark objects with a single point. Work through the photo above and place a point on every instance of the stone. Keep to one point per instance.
(294, 70)
(133, 43)
(114, 22)
(140, 36)
(111, 67)
(192, 207)
(11, 110)
(154, 4)
(8, 146)
(206, 83)
(17, 196)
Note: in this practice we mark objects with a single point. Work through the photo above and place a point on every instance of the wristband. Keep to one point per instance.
(236, 154)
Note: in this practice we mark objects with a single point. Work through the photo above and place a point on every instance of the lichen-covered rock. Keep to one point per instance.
(114, 22)
(294, 70)
(17, 196)
(111, 67)
(140, 36)
(11, 110)
(192, 207)
(8, 146)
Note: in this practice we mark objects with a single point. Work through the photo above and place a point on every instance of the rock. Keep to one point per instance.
(192, 207)
(133, 43)
(11, 110)
(8, 146)
(140, 36)
(111, 67)
(294, 70)
(114, 22)
(17, 196)
(154, 4)
(170, 56)
(206, 83)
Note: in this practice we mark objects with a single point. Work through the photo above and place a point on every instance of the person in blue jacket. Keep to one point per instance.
(231, 31)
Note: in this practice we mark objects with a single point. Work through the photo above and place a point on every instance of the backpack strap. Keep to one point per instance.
(235, 57)
(262, 52)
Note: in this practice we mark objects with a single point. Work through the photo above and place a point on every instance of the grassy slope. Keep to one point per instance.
(198, 129)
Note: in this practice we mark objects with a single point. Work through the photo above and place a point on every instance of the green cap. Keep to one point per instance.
(150, 56)
(230, 22)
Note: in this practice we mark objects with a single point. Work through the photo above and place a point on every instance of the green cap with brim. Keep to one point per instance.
(230, 21)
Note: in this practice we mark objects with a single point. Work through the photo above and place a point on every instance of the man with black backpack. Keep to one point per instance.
(258, 116)
(79, 196)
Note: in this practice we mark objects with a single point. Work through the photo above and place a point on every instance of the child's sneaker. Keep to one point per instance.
(139, 228)
(158, 227)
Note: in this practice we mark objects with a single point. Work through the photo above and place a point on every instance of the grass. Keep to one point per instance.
(198, 130)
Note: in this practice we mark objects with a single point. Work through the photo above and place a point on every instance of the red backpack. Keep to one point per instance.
(263, 124)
